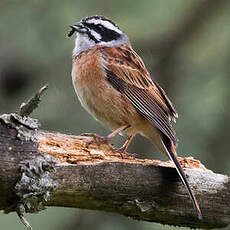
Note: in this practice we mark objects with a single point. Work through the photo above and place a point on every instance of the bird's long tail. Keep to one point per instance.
(171, 152)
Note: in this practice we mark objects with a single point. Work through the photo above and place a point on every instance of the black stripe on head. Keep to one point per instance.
(98, 17)
(92, 37)
(106, 34)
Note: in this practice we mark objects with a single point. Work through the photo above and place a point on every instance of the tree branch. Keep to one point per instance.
(58, 170)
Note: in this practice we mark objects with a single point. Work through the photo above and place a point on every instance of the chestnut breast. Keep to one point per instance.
(96, 94)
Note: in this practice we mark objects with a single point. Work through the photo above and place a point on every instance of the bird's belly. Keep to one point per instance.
(104, 103)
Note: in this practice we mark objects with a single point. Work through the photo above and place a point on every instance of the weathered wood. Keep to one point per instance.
(98, 178)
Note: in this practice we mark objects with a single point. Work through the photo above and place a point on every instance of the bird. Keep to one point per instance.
(114, 86)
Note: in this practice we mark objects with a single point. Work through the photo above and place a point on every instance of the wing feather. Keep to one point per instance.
(126, 72)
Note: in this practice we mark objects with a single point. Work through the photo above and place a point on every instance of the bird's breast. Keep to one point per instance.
(86, 74)
(96, 94)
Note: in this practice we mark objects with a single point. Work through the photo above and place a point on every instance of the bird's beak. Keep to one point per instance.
(78, 27)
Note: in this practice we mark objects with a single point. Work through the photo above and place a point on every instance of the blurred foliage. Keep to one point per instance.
(192, 66)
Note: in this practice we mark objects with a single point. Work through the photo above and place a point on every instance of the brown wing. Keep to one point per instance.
(127, 73)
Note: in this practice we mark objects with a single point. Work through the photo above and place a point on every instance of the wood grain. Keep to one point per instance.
(99, 179)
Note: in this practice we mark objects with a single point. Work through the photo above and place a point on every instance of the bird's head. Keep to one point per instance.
(96, 31)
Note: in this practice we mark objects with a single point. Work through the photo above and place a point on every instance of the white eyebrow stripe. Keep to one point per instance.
(106, 24)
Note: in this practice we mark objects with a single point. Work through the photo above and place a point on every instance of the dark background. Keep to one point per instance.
(184, 44)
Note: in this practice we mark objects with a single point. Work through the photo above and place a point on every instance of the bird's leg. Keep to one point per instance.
(123, 149)
(97, 139)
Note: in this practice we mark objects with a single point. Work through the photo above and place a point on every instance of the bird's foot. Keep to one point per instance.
(122, 152)
(96, 139)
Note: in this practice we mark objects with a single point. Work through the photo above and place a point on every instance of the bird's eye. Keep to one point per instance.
(100, 27)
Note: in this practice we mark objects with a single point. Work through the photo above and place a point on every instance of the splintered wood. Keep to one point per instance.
(72, 149)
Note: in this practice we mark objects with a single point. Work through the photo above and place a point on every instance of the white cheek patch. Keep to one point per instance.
(82, 43)
(106, 24)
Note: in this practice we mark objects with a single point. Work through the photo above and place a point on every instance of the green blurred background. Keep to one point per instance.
(186, 47)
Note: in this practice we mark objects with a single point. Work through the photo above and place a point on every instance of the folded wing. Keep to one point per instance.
(126, 72)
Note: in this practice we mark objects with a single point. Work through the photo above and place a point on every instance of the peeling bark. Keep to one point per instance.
(99, 179)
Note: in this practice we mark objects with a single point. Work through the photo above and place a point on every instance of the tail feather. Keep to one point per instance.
(171, 152)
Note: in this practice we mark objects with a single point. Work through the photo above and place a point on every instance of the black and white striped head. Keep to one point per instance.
(96, 31)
